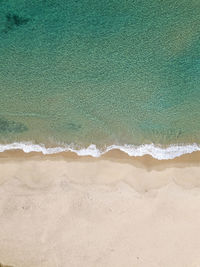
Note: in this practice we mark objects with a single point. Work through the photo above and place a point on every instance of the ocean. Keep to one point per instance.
(90, 76)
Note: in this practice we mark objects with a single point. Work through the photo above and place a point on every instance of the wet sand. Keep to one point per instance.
(63, 210)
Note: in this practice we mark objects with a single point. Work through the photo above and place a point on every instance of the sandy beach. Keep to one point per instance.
(69, 211)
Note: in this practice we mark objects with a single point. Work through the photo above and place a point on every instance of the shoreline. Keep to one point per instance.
(159, 152)
(70, 211)
(146, 161)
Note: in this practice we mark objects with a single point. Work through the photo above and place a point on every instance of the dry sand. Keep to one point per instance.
(116, 211)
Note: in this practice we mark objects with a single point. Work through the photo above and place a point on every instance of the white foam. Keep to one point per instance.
(156, 152)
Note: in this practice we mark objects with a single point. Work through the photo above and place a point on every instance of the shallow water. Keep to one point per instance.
(100, 72)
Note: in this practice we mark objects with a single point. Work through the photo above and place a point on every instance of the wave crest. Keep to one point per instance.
(156, 152)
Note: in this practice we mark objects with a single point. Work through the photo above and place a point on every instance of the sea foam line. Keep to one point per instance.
(156, 152)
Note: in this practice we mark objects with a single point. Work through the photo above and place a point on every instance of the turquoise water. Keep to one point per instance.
(100, 72)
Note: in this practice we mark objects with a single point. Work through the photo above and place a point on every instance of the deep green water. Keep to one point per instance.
(101, 72)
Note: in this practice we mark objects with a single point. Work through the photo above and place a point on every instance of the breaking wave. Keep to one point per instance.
(156, 152)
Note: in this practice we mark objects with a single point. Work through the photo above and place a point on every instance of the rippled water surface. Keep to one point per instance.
(101, 72)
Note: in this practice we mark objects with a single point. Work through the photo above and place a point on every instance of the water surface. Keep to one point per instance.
(100, 72)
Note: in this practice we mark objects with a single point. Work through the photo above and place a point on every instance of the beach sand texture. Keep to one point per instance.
(60, 211)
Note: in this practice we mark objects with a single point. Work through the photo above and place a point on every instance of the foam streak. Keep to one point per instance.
(156, 152)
